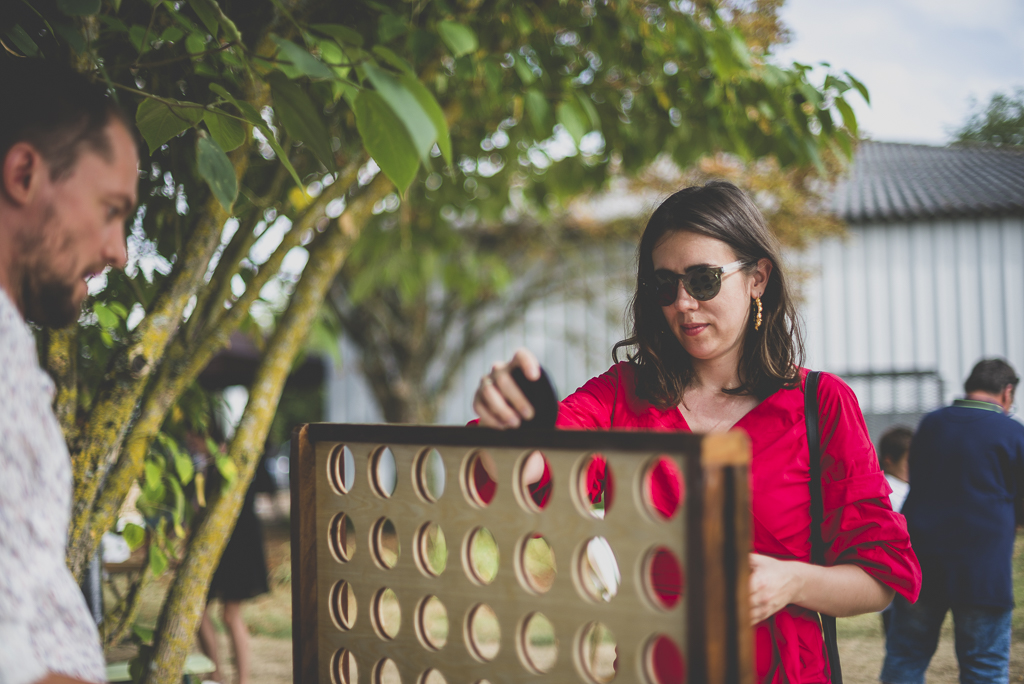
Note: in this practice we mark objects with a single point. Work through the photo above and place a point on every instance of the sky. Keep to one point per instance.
(922, 60)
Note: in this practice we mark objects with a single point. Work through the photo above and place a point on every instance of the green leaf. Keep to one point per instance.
(71, 35)
(133, 535)
(228, 132)
(301, 118)
(433, 111)
(459, 38)
(186, 470)
(244, 108)
(143, 633)
(195, 44)
(301, 60)
(172, 34)
(159, 122)
(407, 107)
(393, 59)
(107, 318)
(139, 38)
(569, 115)
(216, 169)
(390, 26)
(79, 8)
(118, 308)
(526, 74)
(386, 139)
(179, 502)
(588, 106)
(227, 468)
(340, 33)
(157, 560)
(206, 14)
(849, 118)
(540, 112)
(22, 41)
(153, 474)
(861, 88)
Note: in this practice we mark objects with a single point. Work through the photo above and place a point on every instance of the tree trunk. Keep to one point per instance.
(183, 608)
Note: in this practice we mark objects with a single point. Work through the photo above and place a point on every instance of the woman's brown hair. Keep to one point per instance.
(771, 355)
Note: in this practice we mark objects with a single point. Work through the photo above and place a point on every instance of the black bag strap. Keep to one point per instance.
(828, 623)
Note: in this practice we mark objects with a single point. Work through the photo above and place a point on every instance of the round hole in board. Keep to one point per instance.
(480, 478)
(431, 549)
(386, 614)
(663, 661)
(535, 482)
(537, 643)
(341, 538)
(386, 672)
(663, 577)
(430, 475)
(596, 485)
(432, 676)
(383, 472)
(481, 556)
(343, 606)
(343, 667)
(483, 633)
(598, 653)
(598, 570)
(537, 566)
(341, 469)
(385, 544)
(663, 489)
(432, 623)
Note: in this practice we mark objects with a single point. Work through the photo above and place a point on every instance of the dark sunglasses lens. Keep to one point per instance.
(702, 282)
(666, 288)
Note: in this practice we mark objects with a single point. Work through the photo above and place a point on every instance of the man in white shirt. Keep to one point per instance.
(893, 450)
(67, 185)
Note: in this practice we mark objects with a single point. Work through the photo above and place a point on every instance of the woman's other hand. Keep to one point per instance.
(773, 586)
(498, 400)
(838, 590)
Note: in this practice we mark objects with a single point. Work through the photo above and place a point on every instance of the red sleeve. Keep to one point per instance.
(591, 407)
(860, 526)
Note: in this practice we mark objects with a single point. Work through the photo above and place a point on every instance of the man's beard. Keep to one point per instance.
(48, 301)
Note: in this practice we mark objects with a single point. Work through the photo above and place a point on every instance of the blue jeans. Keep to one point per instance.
(982, 642)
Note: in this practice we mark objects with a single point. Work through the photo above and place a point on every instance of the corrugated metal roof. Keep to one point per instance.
(894, 181)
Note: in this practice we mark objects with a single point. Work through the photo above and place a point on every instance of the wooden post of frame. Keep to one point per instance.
(432, 554)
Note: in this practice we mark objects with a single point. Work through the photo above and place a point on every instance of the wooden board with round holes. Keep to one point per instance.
(344, 626)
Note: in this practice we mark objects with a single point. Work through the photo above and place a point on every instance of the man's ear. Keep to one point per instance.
(1006, 398)
(23, 171)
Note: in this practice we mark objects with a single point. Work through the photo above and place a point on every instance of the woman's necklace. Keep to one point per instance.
(714, 411)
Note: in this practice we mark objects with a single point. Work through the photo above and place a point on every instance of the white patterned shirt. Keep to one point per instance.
(45, 625)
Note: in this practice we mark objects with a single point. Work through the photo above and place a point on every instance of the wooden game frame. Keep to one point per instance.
(711, 534)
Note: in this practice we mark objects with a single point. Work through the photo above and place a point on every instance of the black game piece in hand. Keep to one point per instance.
(541, 395)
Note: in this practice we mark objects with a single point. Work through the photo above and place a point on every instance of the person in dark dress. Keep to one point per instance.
(241, 575)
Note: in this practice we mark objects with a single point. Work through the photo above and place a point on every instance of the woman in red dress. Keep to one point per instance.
(716, 345)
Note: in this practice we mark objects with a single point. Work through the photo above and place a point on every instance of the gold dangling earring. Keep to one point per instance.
(757, 321)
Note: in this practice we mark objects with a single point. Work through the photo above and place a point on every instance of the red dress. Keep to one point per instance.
(859, 525)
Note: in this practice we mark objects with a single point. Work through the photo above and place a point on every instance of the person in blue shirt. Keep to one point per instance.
(967, 468)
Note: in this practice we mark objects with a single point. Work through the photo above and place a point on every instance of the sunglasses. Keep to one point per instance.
(700, 282)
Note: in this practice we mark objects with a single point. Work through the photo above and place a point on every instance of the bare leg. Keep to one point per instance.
(239, 638)
(208, 642)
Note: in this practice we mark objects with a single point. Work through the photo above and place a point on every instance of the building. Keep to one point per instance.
(929, 279)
